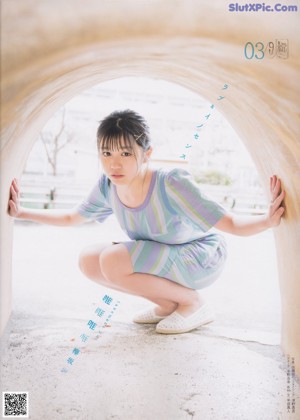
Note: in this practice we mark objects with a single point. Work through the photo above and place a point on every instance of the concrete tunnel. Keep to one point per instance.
(51, 54)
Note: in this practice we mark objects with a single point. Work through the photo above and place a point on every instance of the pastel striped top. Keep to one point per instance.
(175, 211)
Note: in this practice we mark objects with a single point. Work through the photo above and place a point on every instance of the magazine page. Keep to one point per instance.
(150, 166)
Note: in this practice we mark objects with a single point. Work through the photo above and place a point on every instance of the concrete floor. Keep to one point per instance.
(231, 369)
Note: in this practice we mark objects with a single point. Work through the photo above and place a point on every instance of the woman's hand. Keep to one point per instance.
(14, 201)
(250, 225)
(276, 208)
(68, 217)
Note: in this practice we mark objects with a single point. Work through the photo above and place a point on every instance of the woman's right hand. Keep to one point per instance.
(14, 201)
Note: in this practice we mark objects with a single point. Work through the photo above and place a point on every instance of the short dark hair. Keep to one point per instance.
(123, 128)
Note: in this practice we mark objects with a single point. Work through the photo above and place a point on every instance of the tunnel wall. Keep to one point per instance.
(50, 54)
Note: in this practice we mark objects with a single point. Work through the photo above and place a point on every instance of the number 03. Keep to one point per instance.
(259, 47)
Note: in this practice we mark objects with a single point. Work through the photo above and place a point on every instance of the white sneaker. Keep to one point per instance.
(147, 316)
(177, 324)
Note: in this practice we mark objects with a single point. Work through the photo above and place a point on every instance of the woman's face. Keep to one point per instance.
(123, 164)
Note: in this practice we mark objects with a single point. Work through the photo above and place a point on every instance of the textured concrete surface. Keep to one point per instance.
(230, 369)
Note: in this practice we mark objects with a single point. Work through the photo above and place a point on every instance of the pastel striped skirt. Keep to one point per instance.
(196, 264)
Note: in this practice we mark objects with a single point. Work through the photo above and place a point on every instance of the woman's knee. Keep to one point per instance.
(83, 261)
(115, 263)
(88, 262)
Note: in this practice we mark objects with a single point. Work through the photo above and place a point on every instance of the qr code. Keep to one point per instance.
(15, 404)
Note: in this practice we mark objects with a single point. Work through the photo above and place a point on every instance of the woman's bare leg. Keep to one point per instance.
(114, 269)
(90, 266)
(89, 263)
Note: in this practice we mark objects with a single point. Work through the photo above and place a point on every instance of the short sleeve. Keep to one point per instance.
(186, 198)
(96, 205)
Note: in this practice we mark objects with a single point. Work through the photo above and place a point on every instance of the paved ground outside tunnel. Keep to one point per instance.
(230, 369)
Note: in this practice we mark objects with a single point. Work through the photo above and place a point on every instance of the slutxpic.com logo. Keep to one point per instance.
(261, 7)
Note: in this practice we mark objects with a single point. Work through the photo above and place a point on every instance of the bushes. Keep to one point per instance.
(213, 177)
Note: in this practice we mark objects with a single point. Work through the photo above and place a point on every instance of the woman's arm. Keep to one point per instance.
(245, 226)
(54, 217)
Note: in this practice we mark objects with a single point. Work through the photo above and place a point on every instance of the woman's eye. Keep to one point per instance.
(126, 154)
(106, 154)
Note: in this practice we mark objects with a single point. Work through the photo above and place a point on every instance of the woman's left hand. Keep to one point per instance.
(276, 208)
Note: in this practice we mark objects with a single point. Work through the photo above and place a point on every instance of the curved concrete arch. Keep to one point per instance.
(65, 54)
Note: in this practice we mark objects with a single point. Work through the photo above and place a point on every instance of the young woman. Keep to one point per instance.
(172, 250)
